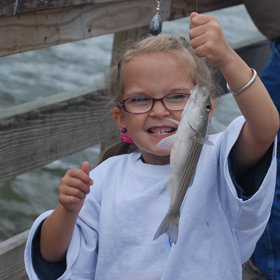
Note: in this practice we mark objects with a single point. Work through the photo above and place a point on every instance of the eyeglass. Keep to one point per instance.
(144, 104)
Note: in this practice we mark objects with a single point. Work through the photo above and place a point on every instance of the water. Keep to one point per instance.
(41, 73)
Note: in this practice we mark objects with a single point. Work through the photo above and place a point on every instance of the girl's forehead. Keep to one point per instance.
(173, 55)
(157, 75)
(158, 62)
(160, 59)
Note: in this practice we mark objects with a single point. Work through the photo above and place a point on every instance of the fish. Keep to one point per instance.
(185, 145)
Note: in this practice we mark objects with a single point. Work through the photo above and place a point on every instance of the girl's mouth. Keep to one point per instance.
(161, 131)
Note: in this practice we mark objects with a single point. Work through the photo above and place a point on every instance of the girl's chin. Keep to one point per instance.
(156, 157)
(163, 153)
(156, 152)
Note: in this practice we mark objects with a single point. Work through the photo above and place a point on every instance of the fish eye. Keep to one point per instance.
(208, 106)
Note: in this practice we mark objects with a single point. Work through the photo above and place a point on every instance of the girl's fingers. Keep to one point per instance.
(70, 203)
(198, 20)
(197, 41)
(73, 192)
(80, 174)
(74, 186)
(197, 32)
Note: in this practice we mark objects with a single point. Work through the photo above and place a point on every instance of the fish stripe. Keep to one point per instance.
(188, 173)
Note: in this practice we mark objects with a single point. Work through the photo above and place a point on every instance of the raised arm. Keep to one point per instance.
(262, 120)
(58, 228)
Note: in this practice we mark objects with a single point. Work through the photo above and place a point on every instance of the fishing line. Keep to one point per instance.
(15, 7)
(196, 6)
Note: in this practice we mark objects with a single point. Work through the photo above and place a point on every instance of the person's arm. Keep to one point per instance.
(57, 229)
(262, 119)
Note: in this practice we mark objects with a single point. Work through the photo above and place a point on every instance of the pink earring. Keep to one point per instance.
(126, 137)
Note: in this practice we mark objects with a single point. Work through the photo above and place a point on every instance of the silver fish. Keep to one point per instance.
(186, 146)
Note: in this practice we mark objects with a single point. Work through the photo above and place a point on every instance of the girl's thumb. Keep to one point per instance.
(193, 14)
(85, 167)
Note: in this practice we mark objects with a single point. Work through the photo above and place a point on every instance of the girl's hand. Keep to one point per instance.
(74, 187)
(208, 40)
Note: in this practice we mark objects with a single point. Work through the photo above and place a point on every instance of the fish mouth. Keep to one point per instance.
(161, 130)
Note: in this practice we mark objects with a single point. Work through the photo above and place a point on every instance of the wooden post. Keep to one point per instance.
(123, 39)
(11, 258)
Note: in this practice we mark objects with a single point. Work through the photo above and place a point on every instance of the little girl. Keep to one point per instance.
(104, 229)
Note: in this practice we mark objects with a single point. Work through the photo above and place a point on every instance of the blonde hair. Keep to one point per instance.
(200, 71)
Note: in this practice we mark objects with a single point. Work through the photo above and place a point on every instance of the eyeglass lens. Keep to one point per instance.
(143, 104)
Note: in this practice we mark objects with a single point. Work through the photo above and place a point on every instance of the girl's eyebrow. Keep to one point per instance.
(180, 90)
(137, 93)
(140, 92)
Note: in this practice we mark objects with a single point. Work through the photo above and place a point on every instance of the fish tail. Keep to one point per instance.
(170, 225)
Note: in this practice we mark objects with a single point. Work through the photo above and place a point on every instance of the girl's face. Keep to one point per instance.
(155, 75)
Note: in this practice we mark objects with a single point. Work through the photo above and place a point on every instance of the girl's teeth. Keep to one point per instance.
(165, 131)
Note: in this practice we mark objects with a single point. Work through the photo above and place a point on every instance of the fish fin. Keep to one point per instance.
(172, 120)
(170, 225)
(200, 139)
(166, 187)
(203, 140)
(211, 130)
(166, 143)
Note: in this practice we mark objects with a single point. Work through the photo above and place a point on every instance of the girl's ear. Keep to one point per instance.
(119, 117)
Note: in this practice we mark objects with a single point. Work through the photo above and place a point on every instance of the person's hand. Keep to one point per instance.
(74, 187)
(207, 40)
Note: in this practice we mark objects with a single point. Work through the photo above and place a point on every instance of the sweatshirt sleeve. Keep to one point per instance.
(247, 217)
(81, 256)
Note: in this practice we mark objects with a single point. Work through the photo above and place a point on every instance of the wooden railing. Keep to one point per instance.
(39, 132)
(32, 24)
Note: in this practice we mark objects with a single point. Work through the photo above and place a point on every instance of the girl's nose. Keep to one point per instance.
(159, 110)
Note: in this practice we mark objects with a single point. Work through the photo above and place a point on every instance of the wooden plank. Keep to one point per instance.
(13, 7)
(46, 28)
(39, 132)
(57, 26)
(180, 8)
(183, 8)
(11, 258)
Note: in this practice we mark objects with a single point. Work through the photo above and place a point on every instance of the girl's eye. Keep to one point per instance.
(177, 97)
(139, 99)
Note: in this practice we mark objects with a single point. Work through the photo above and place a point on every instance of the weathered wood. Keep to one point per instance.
(180, 8)
(67, 21)
(11, 258)
(57, 26)
(183, 8)
(123, 39)
(39, 132)
(13, 7)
